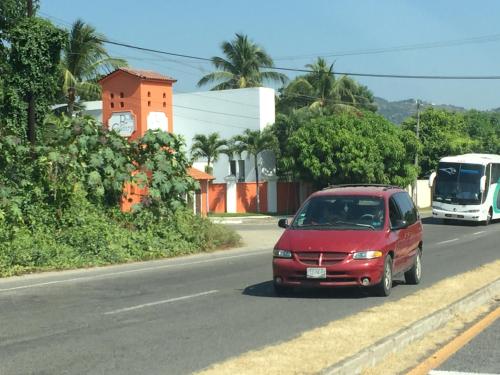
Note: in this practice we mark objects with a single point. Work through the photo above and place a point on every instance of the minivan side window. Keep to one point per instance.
(408, 210)
(394, 213)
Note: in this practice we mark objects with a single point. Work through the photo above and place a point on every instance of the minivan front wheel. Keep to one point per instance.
(383, 289)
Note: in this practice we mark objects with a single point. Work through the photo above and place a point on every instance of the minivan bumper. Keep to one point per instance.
(290, 272)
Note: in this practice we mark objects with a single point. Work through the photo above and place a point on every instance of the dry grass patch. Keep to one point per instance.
(412, 355)
(322, 347)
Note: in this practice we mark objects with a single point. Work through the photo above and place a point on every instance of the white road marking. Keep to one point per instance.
(137, 307)
(111, 274)
(447, 241)
(440, 372)
(481, 231)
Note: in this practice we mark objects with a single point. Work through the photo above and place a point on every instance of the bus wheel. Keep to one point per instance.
(488, 217)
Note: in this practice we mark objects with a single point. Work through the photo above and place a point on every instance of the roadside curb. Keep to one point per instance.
(369, 357)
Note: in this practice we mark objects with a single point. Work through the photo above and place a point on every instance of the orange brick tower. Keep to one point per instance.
(134, 101)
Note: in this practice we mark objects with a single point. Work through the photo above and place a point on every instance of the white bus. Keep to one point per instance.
(466, 187)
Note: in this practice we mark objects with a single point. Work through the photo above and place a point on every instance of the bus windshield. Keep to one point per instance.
(459, 183)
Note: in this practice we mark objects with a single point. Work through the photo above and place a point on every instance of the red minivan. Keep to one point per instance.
(350, 235)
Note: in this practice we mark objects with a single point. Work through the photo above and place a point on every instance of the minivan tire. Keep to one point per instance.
(414, 274)
(383, 289)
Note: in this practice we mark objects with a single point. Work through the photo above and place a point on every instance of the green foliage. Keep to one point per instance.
(345, 148)
(31, 69)
(84, 60)
(242, 66)
(162, 165)
(208, 147)
(442, 133)
(59, 200)
(320, 89)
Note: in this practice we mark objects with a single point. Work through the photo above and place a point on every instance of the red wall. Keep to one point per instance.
(288, 197)
(246, 197)
(217, 197)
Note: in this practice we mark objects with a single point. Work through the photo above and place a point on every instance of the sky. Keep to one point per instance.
(295, 32)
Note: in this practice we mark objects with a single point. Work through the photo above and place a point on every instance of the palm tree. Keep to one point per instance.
(208, 147)
(84, 60)
(242, 66)
(320, 89)
(254, 142)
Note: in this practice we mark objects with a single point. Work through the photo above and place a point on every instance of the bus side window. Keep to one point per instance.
(495, 173)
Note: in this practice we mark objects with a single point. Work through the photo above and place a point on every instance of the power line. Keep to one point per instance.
(409, 47)
(297, 70)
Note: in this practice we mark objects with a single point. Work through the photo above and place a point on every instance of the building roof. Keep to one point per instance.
(199, 175)
(143, 74)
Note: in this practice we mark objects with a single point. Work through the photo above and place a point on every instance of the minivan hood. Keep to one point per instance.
(330, 240)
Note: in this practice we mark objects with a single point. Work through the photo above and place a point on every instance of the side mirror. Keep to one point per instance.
(482, 184)
(399, 224)
(431, 179)
(283, 223)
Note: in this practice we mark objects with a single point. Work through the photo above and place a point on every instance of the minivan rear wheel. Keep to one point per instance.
(414, 274)
(383, 289)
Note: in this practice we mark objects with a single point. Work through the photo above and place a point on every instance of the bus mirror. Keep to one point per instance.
(482, 184)
(431, 179)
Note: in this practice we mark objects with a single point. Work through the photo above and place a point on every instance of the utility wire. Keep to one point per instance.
(373, 75)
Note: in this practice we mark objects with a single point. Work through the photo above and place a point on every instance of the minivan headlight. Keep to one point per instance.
(282, 253)
(369, 254)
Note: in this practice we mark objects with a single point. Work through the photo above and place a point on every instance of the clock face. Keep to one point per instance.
(123, 123)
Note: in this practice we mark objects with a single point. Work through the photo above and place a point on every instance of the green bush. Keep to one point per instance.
(59, 201)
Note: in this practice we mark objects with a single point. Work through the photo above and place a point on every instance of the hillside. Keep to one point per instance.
(398, 111)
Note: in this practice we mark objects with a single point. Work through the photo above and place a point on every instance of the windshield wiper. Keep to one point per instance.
(355, 224)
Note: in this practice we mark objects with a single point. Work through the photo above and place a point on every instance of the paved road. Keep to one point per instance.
(480, 356)
(178, 316)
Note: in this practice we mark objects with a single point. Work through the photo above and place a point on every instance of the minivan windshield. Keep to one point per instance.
(341, 213)
(458, 183)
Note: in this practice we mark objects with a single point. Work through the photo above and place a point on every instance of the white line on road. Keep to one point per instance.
(481, 231)
(137, 307)
(438, 372)
(447, 241)
(142, 269)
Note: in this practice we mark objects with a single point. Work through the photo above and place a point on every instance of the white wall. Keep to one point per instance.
(228, 112)
(423, 193)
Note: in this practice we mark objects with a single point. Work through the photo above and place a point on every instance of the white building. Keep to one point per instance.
(229, 113)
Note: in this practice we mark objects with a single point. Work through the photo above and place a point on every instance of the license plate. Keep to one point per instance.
(316, 273)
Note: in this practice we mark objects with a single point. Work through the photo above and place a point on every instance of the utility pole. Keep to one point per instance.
(417, 132)
(30, 96)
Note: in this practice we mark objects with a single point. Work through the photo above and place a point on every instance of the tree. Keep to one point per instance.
(208, 147)
(442, 133)
(33, 58)
(242, 66)
(351, 148)
(319, 89)
(84, 60)
(254, 142)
